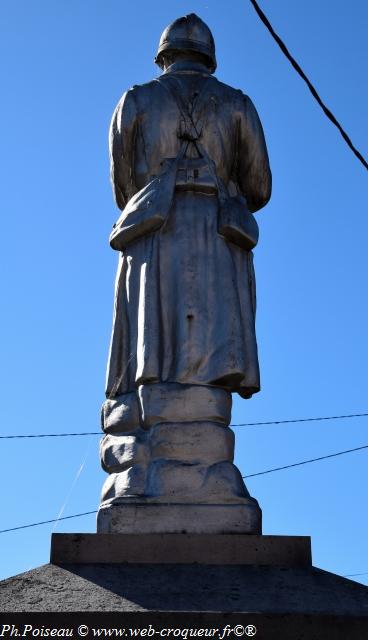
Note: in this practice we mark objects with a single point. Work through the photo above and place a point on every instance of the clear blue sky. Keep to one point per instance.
(64, 66)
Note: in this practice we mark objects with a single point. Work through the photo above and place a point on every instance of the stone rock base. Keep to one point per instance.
(169, 453)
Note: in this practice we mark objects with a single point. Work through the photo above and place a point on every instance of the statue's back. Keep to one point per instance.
(183, 333)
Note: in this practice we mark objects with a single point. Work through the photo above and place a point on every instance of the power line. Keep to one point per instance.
(313, 91)
(260, 473)
(257, 424)
(298, 464)
(351, 575)
(36, 524)
(52, 435)
(243, 424)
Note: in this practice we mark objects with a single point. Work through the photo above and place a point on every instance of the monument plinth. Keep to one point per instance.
(181, 582)
(203, 549)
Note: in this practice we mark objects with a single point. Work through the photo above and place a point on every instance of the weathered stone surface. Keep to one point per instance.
(293, 601)
(282, 551)
(306, 600)
(120, 451)
(173, 463)
(120, 413)
(183, 403)
(193, 442)
(128, 483)
(176, 481)
(142, 515)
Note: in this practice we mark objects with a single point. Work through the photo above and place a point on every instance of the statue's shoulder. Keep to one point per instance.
(143, 90)
(139, 95)
(137, 91)
(225, 91)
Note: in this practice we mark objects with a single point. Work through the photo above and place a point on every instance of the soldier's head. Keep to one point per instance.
(187, 38)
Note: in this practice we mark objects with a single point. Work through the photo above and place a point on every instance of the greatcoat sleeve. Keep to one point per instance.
(121, 147)
(253, 170)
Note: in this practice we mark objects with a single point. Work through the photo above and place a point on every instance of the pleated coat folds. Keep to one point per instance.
(185, 296)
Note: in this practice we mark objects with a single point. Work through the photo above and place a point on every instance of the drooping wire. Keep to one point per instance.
(51, 435)
(299, 464)
(311, 88)
(260, 473)
(242, 424)
(36, 524)
(258, 424)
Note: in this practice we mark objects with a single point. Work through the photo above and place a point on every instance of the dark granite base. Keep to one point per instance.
(172, 548)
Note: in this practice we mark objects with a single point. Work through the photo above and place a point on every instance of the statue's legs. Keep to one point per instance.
(169, 453)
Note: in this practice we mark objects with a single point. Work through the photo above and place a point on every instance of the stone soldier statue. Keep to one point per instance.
(189, 166)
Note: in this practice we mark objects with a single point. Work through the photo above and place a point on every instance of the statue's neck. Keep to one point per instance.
(187, 66)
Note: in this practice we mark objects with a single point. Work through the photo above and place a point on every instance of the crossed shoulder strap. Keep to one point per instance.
(172, 86)
(193, 128)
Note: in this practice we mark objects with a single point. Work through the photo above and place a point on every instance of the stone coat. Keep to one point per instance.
(185, 296)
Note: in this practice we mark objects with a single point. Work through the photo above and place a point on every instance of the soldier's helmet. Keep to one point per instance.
(188, 33)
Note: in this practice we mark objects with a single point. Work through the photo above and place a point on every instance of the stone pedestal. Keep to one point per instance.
(152, 517)
(169, 454)
(172, 549)
(187, 581)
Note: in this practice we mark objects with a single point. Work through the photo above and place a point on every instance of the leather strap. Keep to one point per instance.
(170, 84)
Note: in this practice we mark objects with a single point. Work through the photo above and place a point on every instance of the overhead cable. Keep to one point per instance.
(242, 424)
(258, 424)
(36, 524)
(298, 464)
(313, 91)
(51, 435)
(260, 473)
